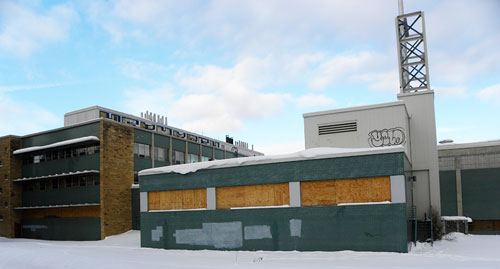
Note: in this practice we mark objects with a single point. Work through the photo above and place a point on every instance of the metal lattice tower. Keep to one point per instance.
(412, 52)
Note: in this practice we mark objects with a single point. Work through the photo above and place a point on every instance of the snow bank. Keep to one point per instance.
(123, 251)
(58, 144)
(308, 154)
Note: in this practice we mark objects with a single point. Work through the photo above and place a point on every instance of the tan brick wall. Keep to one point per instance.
(117, 175)
(11, 193)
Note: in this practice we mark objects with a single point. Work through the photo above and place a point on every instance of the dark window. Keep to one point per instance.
(96, 180)
(42, 185)
(75, 181)
(1, 191)
(136, 178)
(68, 153)
(83, 181)
(68, 183)
(55, 183)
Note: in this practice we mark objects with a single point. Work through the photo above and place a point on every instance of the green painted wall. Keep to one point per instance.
(481, 193)
(81, 163)
(179, 145)
(59, 135)
(230, 155)
(76, 195)
(162, 141)
(136, 210)
(141, 163)
(219, 154)
(360, 228)
(62, 228)
(142, 137)
(206, 151)
(448, 189)
(333, 168)
(193, 148)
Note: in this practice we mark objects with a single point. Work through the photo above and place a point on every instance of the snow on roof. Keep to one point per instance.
(456, 218)
(58, 144)
(487, 143)
(308, 154)
(58, 175)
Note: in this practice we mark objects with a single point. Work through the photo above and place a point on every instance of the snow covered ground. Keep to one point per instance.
(124, 251)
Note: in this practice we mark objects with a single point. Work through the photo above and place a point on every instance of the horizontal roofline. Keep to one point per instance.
(479, 144)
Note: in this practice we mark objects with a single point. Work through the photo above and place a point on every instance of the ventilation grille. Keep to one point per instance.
(338, 128)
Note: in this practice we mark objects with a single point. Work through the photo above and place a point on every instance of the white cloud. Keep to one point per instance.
(20, 118)
(383, 81)
(25, 31)
(314, 100)
(143, 71)
(490, 94)
(457, 92)
(213, 99)
(353, 67)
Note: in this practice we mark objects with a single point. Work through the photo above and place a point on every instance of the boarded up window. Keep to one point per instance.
(178, 199)
(358, 190)
(253, 195)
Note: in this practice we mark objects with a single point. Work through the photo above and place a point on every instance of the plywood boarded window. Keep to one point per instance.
(178, 199)
(358, 190)
(253, 195)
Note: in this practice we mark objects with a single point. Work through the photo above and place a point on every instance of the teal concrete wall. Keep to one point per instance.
(136, 210)
(308, 170)
(179, 145)
(481, 193)
(81, 163)
(162, 141)
(193, 148)
(62, 228)
(141, 163)
(59, 135)
(333, 228)
(448, 189)
(206, 151)
(75, 195)
(219, 154)
(142, 137)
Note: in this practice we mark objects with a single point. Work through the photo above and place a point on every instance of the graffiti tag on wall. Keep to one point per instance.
(387, 137)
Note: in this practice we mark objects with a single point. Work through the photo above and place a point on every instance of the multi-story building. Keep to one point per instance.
(80, 182)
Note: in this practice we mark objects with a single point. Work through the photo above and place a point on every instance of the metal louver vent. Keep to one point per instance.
(338, 128)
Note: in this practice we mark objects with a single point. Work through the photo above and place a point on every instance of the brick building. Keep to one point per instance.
(80, 182)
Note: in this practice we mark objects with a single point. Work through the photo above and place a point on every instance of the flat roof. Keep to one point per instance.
(479, 144)
(356, 108)
(308, 154)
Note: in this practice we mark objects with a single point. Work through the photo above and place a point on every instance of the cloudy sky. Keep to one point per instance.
(249, 69)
